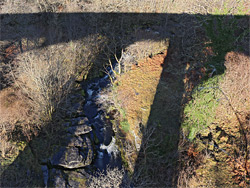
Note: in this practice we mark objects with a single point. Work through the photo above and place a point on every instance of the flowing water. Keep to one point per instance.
(107, 150)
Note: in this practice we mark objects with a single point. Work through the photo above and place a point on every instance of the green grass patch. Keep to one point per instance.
(200, 112)
(125, 126)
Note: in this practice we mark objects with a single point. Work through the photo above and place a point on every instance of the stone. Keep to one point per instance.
(103, 83)
(82, 120)
(108, 133)
(89, 150)
(79, 129)
(68, 158)
(90, 109)
(74, 157)
(80, 113)
(79, 121)
(76, 179)
(66, 124)
(75, 141)
(56, 179)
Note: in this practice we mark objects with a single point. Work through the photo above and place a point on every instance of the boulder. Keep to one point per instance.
(90, 109)
(75, 141)
(74, 157)
(79, 130)
(76, 179)
(79, 121)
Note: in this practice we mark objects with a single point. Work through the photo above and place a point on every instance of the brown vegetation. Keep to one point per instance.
(137, 88)
(234, 113)
(13, 106)
(135, 95)
(13, 110)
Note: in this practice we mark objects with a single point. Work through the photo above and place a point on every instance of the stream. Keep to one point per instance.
(107, 150)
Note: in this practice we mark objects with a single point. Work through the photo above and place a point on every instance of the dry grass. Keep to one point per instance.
(236, 84)
(228, 165)
(132, 95)
(142, 49)
(13, 106)
(145, 6)
(136, 89)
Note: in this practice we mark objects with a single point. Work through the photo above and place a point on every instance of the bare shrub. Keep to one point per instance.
(236, 84)
(112, 178)
(41, 79)
(46, 76)
(153, 166)
(236, 89)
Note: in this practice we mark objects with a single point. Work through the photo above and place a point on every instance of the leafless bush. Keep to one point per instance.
(47, 76)
(236, 100)
(112, 178)
(154, 168)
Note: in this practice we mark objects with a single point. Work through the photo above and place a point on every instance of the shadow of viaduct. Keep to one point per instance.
(55, 28)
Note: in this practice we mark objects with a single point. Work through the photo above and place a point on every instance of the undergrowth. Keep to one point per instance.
(200, 112)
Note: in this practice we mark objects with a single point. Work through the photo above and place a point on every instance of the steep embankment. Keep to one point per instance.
(148, 99)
